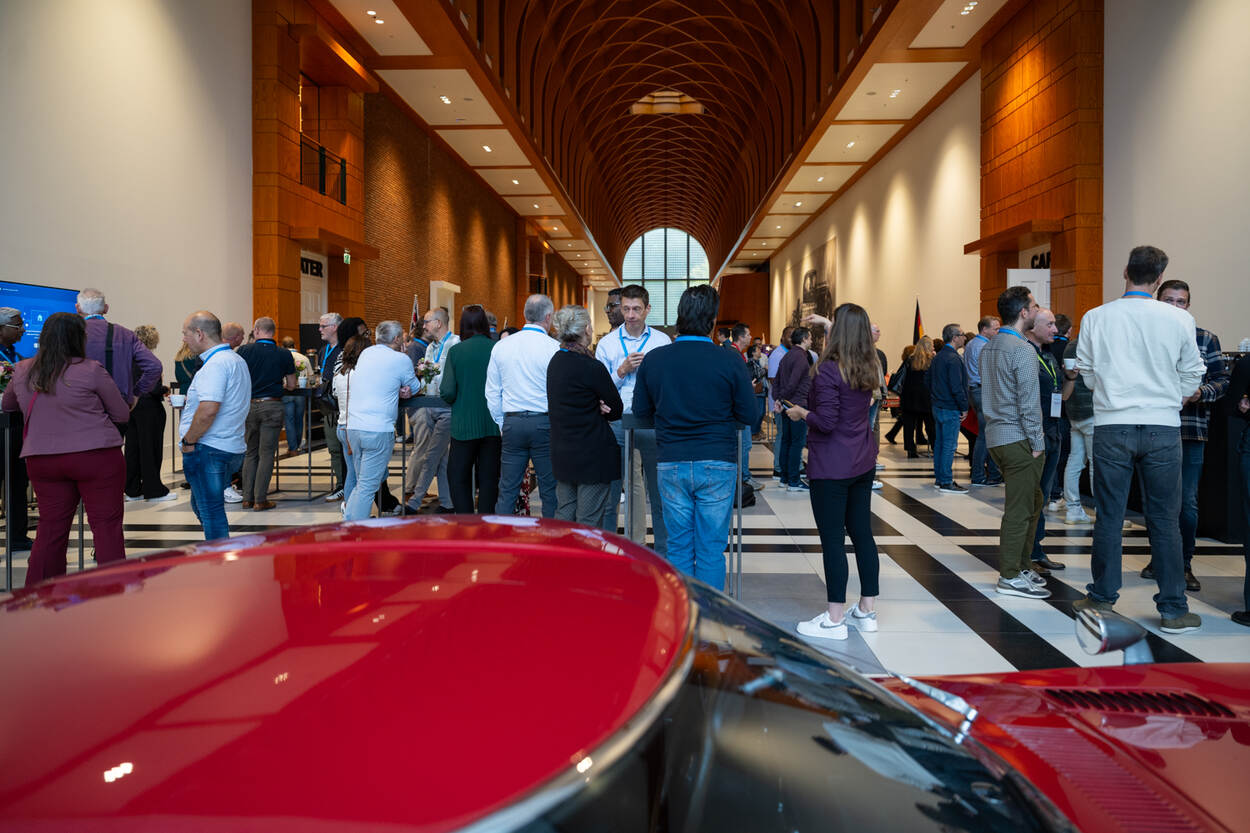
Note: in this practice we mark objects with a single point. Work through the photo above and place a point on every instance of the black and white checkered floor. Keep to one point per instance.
(939, 613)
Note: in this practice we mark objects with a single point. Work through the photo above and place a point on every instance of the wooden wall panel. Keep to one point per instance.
(1041, 144)
(745, 298)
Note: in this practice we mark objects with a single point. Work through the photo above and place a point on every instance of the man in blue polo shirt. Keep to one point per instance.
(212, 421)
(272, 371)
(696, 432)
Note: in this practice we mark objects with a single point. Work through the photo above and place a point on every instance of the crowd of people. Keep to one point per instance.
(495, 414)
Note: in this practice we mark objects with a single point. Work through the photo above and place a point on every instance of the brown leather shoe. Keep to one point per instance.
(266, 505)
(247, 504)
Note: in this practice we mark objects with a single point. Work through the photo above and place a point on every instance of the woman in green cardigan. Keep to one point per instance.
(475, 442)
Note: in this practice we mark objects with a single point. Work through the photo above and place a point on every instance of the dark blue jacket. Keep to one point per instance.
(947, 380)
(698, 394)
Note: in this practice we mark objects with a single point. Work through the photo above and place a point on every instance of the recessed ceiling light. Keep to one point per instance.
(444, 99)
(371, 13)
(895, 93)
(820, 179)
(798, 204)
(555, 228)
(536, 205)
(516, 182)
(778, 226)
(570, 245)
(378, 20)
(850, 144)
(487, 148)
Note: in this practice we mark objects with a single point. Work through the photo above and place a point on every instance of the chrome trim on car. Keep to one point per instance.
(566, 785)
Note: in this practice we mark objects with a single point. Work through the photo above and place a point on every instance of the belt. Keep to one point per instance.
(266, 399)
(525, 413)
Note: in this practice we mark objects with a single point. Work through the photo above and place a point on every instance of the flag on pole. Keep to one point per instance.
(917, 328)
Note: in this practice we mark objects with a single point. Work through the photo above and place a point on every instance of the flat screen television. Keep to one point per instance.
(36, 304)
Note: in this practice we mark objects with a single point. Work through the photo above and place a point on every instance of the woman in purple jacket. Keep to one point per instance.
(841, 462)
(71, 445)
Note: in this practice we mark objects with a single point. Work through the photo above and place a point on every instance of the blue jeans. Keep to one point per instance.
(762, 407)
(1154, 453)
(293, 416)
(746, 452)
(778, 421)
(946, 426)
(698, 500)
(1192, 454)
(981, 459)
(644, 447)
(793, 436)
(349, 474)
(371, 451)
(208, 472)
(526, 437)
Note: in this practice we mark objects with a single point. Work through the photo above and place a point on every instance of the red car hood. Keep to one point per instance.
(1132, 748)
(353, 677)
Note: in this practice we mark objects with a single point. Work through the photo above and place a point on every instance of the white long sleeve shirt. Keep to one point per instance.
(1140, 358)
(380, 373)
(616, 345)
(516, 378)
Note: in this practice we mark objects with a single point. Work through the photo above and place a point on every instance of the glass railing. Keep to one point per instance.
(322, 170)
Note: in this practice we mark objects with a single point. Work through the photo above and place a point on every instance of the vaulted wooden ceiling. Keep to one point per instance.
(771, 89)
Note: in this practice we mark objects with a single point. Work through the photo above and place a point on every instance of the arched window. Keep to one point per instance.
(665, 261)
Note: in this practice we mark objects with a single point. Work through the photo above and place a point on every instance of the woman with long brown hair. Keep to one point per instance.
(841, 464)
(914, 399)
(70, 442)
(342, 393)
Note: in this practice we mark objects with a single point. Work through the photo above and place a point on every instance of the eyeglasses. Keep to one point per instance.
(19, 325)
(612, 304)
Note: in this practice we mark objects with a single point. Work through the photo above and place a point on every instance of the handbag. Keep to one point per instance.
(896, 381)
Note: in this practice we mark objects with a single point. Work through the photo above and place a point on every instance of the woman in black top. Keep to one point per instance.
(145, 433)
(581, 402)
(914, 399)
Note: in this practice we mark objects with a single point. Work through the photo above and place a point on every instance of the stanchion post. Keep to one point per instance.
(81, 561)
(6, 427)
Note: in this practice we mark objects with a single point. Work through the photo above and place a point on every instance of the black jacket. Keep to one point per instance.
(583, 447)
(947, 380)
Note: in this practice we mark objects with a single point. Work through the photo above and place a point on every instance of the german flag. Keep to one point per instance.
(917, 328)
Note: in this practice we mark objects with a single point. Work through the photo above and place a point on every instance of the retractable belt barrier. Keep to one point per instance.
(733, 577)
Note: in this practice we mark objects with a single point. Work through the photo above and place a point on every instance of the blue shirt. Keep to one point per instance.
(616, 345)
(972, 359)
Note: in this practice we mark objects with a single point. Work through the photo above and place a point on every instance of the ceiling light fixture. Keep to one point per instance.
(487, 148)
(371, 13)
(378, 20)
(444, 99)
(820, 179)
(516, 182)
(850, 145)
(778, 226)
(798, 204)
(536, 205)
(895, 93)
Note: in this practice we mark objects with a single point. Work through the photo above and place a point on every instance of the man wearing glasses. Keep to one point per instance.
(432, 433)
(12, 328)
(613, 309)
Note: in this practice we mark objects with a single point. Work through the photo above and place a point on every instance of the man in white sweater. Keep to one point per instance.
(1140, 358)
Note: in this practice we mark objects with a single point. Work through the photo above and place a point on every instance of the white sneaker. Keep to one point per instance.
(165, 498)
(865, 621)
(1056, 505)
(130, 499)
(337, 494)
(1038, 580)
(822, 627)
(1021, 586)
(877, 485)
(1077, 517)
(880, 466)
(232, 495)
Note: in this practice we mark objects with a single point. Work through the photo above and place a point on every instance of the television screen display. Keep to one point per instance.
(36, 304)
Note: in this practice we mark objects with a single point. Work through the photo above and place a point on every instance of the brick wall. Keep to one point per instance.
(564, 283)
(432, 220)
(1041, 144)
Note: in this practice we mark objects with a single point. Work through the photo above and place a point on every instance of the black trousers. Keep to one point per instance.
(912, 433)
(16, 522)
(842, 508)
(470, 461)
(145, 434)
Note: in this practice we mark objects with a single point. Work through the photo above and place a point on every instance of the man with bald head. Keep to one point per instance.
(272, 371)
(232, 334)
(212, 422)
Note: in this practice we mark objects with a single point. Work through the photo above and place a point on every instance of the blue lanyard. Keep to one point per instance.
(325, 357)
(1013, 332)
(1135, 294)
(693, 338)
(534, 328)
(983, 338)
(96, 315)
(646, 337)
(214, 352)
(266, 341)
(441, 345)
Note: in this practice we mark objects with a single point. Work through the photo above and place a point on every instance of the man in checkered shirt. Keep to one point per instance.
(1194, 418)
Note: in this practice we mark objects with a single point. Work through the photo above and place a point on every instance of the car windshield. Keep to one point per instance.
(766, 734)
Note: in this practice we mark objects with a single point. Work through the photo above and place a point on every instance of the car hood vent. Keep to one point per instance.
(1147, 702)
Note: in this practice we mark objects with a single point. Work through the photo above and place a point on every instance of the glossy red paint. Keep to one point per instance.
(1129, 763)
(418, 673)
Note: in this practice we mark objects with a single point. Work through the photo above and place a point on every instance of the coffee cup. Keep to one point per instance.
(303, 381)
(177, 399)
(1069, 364)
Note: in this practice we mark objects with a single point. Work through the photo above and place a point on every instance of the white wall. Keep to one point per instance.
(1176, 171)
(901, 231)
(126, 155)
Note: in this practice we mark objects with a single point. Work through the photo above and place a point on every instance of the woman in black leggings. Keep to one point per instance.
(841, 461)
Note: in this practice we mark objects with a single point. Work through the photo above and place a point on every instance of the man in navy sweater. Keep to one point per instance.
(696, 433)
(947, 381)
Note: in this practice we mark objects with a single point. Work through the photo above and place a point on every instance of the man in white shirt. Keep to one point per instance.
(383, 374)
(432, 433)
(211, 428)
(621, 352)
(1140, 358)
(774, 362)
(516, 395)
